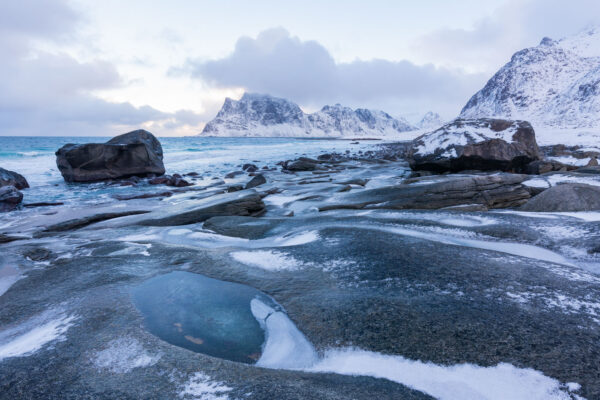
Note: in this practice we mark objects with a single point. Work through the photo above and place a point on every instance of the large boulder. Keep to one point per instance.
(566, 197)
(10, 198)
(136, 153)
(434, 192)
(475, 144)
(10, 178)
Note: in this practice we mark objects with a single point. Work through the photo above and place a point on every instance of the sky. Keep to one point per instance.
(100, 68)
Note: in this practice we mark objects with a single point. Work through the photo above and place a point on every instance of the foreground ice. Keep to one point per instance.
(285, 346)
(29, 337)
(458, 382)
(200, 386)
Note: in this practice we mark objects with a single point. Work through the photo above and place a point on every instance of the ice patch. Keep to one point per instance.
(296, 240)
(123, 355)
(201, 387)
(180, 231)
(458, 382)
(285, 346)
(267, 259)
(537, 183)
(559, 232)
(8, 276)
(133, 249)
(25, 340)
(280, 200)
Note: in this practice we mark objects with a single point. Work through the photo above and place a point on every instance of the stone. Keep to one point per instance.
(476, 144)
(256, 181)
(489, 191)
(593, 162)
(136, 153)
(233, 174)
(540, 167)
(10, 198)
(234, 188)
(301, 164)
(566, 197)
(11, 178)
(228, 204)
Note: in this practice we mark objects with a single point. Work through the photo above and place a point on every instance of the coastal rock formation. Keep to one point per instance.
(431, 192)
(566, 197)
(480, 144)
(245, 204)
(11, 178)
(136, 153)
(10, 198)
(555, 84)
(268, 116)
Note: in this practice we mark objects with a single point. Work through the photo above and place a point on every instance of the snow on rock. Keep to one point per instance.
(457, 382)
(475, 144)
(30, 336)
(267, 116)
(554, 85)
(123, 355)
(201, 387)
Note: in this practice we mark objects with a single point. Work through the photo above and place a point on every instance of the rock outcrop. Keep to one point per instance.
(136, 153)
(475, 144)
(10, 198)
(11, 178)
(566, 197)
(244, 204)
(431, 192)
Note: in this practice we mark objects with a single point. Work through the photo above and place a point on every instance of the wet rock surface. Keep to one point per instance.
(11, 178)
(10, 198)
(396, 302)
(566, 197)
(136, 153)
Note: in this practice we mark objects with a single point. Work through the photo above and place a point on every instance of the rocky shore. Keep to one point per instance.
(469, 255)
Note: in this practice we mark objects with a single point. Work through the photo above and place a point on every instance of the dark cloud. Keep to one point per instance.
(304, 71)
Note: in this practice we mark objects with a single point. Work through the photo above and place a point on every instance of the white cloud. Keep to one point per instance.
(492, 40)
(304, 71)
(45, 93)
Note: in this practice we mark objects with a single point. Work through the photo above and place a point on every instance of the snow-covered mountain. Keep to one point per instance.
(430, 120)
(264, 116)
(555, 85)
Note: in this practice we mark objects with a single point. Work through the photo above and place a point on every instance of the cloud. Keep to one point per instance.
(518, 24)
(282, 65)
(44, 93)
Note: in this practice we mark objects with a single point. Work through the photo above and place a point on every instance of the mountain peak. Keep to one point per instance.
(555, 84)
(264, 115)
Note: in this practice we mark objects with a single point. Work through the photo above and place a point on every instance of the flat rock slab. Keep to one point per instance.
(490, 191)
(566, 197)
(247, 203)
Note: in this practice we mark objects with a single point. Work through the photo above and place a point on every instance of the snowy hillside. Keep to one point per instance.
(554, 85)
(430, 121)
(267, 116)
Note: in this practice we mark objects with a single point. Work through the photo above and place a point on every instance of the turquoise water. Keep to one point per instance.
(202, 314)
(34, 158)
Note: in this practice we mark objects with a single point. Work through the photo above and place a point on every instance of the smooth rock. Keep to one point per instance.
(566, 197)
(539, 167)
(10, 198)
(256, 181)
(490, 191)
(227, 204)
(135, 153)
(11, 178)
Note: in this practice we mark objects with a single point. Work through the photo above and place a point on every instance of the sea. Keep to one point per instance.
(212, 158)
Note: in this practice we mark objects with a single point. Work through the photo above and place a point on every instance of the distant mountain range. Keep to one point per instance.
(261, 115)
(555, 84)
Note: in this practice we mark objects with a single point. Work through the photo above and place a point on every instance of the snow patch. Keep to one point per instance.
(458, 382)
(123, 355)
(31, 336)
(267, 259)
(201, 387)
(285, 346)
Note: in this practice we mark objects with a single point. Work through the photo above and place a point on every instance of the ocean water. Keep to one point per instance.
(33, 157)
